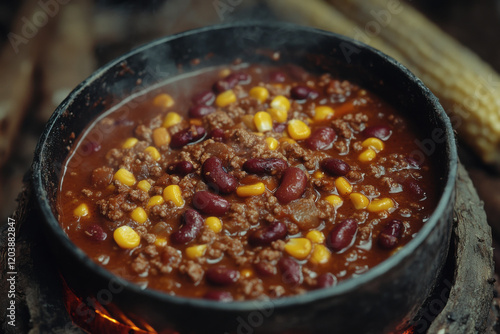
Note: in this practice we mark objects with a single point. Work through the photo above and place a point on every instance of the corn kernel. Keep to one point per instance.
(263, 121)
(251, 190)
(153, 152)
(246, 273)
(214, 224)
(299, 248)
(316, 236)
(248, 121)
(155, 200)
(193, 252)
(367, 155)
(359, 201)
(195, 121)
(163, 100)
(224, 72)
(259, 93)
(173, 193)
(126, 237)
(144, 185)
(160, 242)
(272, 143)
(322, 113)
(298, 130)
(161, 137)
(318, 174)
(226, 98)
(258, 134)
(374, 143)
(280, 102)
(343, 186)
(320, 254)
(125, 177)
(381, 204)
(334, 200)
(81, 211)
(139, 215)
(111, 187)
(287, 140)
(130, 142)
(279, 115)
(171, 119)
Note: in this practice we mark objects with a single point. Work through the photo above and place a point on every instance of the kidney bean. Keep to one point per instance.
(181, 168)
(277, 76)
(221, 275)
(217, 135)
(265, 268)
(303, 92)
(390, 235)
(193, 224)
(226, 83)
(200, 110)
(186, 136)
(292, 273)
(326, 280)
(95, 232)
(279, 127)
(269, 166)
(321, 139)
(204, 98)
(335, 167)
(210, 204)
(342, 235)
(413, 188)
(220, 296)
(265, 235)
(378, 131)
(216, 177)
(292, 186)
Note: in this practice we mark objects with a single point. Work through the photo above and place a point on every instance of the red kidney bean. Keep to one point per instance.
(269, 166)
(279, 127)
(186, 136)
(326, 280)
(378, 131)
(216, 177)
(265, 235)
(390, 235)
(335, 167)
(193, 224)
(292, 273)
(342, 235)
(204, 98)
(413, 188)
(222, 276)
(292, 186)
(277, 76)
(200, 110)
(210, 204)
(95, 232)
(181, 168)
(217, 135)
(220, 296)
(226, 83)
(265, 268)
(321, 139)
(303, 92)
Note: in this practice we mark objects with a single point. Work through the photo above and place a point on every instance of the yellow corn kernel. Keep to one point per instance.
(316, 236)
(298, 130)
(153, 152)
(193, 252)
(258, 134)
(299, 248)
(359, 201)
(322, 113)
(334, 200)
(251, 190)
(259, 93)
(246, 273)
(161, 137)
(343, 186)
(226, 98)
(320, 254)
(173, 193)
(367, 155)
(263, 121)
(130, 142)
(81, 211)
(214, 224)
(155, 200)
(172, 118)
(280, 102)
(287, 140)
(139, 215)
(279, 115)
(163, 100)
(111, 187)
(318, 174)
(144, 185)
(224, 72)
(126, 237)
(272, 143)
(248, 121)
(160, 242)
(125, 177)
(374, 143)
(381, 204)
